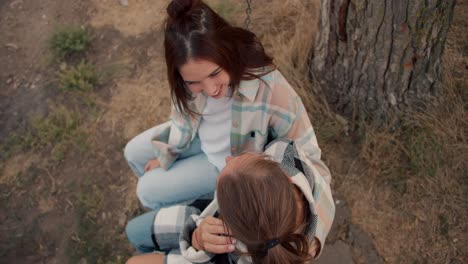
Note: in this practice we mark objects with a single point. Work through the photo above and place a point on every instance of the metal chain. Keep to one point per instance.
(248, 10)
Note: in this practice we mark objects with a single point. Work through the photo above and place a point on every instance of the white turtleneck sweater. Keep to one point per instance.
(215, 130)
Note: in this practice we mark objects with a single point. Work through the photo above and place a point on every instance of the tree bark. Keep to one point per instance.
(373, 58)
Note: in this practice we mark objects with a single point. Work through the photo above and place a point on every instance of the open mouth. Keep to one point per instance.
(217, 92)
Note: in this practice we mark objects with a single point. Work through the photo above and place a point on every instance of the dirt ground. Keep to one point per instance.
(74, 208)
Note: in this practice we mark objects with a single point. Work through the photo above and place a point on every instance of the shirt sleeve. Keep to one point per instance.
(292, 122)
(172, 138)
(322, 200)
(186, 249)
(168, 225)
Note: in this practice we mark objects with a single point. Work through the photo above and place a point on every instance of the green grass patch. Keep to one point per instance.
(59, 125)
(69, 40)
(424, 151)
(328, 131)
(89, 244)
(12, 143)
(58, 131)
(82, 77)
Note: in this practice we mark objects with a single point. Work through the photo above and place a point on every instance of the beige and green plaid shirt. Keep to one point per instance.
(261, 111)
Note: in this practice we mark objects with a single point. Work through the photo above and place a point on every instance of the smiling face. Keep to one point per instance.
(202, 76)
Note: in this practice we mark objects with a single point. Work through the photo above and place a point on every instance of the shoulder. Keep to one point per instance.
(277, 84)
(276, 91)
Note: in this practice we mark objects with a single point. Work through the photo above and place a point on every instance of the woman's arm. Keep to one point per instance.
(312, 177)
(173, 138)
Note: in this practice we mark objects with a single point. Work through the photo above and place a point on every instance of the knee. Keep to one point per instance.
(131, 230)
(148, 193)
(130, 150)
(138, 233)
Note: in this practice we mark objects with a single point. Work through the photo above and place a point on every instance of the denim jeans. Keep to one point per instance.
(190, 177)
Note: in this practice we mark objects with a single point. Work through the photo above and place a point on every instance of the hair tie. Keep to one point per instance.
(271, 243)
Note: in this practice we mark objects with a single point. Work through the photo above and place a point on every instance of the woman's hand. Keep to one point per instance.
(211, 235)
(152, 164)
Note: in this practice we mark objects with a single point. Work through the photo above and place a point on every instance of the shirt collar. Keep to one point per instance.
(249, 88)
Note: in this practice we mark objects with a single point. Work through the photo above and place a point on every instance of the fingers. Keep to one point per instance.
(219, 249)
(215, 229)
(217, 239)
(216, 226)
(151, 164)
(213, 221)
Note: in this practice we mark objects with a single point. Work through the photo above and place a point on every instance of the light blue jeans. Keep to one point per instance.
(190, 177)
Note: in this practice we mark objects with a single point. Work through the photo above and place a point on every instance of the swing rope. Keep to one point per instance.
(248, 10)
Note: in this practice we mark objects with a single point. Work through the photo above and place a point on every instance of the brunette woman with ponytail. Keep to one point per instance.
(228, 98)
(272, 208)
(261, 207)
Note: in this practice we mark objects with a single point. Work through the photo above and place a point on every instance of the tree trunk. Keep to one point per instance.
(376, 57)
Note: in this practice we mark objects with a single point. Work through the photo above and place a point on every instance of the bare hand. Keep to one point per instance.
(152, 164)
(211, 235)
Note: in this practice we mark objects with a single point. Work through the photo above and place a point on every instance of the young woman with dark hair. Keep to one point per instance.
(228, 98)
(273, 208)
(263, 209)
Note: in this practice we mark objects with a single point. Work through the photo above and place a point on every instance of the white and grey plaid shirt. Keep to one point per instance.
(173, 226)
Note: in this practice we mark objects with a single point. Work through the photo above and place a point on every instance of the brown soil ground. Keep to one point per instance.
(74, 209)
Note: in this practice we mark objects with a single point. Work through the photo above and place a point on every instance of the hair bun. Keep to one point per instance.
(180, 8)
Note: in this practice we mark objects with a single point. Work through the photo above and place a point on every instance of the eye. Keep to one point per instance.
(191, 83)
(215, 73)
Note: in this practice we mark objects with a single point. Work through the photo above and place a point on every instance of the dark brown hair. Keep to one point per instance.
(194, 31)
(257, 204)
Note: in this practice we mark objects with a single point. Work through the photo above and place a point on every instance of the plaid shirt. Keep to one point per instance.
(168, 224)
(261, 111)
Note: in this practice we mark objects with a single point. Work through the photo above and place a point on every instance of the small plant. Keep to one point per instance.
(82, 77)
(424, 151)
(60, 131)
(70, 40)
(12, 143)
(58, 126)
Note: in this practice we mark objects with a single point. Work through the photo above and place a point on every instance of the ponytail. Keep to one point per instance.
(258, 204)
(291, 248)
(180, 8)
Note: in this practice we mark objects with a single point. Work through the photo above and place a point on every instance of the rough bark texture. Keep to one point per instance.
(375, 57)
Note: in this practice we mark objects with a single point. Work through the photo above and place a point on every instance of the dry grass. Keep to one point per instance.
(407, 186)
(287, 30)
(139, 17)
